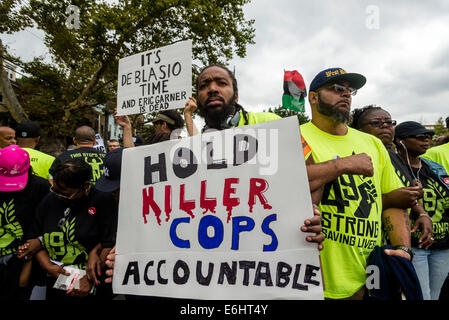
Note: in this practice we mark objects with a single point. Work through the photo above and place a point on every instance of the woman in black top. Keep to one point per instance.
(431, 265)
(376, 121)
(71, 221)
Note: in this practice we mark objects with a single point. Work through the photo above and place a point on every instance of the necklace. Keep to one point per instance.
(417, 173)
(416, 178)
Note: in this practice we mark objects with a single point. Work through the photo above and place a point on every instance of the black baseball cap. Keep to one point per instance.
(110, 179)
(28, 129)
(355, 80)
(411, 128)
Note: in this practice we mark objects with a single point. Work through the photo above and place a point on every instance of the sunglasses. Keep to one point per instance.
(422, 136)
(338, 88)
(380, 123)
(64, 195)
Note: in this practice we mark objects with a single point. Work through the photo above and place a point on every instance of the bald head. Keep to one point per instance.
(7, 136)
(84, 136)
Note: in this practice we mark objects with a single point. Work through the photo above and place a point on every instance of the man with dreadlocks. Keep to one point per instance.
(218, 102)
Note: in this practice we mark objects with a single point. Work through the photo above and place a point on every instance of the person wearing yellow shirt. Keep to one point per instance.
(439, 154)
(356, 171)
(28, 134)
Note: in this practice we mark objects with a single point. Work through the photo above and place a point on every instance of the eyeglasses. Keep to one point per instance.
(338, 88)
(422, 136)
(380, 123)
(62, 195)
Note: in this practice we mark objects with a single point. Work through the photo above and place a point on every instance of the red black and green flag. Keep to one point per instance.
(294, 91)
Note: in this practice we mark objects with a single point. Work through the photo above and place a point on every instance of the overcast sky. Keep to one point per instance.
(400, 46)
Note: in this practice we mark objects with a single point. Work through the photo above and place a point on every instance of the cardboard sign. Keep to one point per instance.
(218, 216)
(155, 80)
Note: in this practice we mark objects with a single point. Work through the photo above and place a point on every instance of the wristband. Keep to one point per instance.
(406, 249)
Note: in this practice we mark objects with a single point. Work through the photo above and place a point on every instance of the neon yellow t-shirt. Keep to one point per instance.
(257, 117)
(439, 154)
(351, 208)
(40, 162)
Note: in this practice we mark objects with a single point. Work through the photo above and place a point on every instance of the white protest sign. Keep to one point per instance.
(218, 216)
(155, 80)
(99, 143)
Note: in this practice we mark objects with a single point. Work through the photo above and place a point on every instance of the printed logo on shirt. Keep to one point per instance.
(350, 212)
(92, 211)
(96, 164)
(435, 199)
(95, 160)
(63, 247)
(436, 203)
(10, 229)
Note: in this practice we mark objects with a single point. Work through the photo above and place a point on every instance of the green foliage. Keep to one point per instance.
(10, 19)
(83, 71)
(283, 113)
(440, 128)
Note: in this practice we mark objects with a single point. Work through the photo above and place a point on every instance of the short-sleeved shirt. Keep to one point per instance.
(351, 207)
(259, 117)
(40, 162)
(90, 221)
(439, 154)
(435, 201)
(17, 212)
(92, 156)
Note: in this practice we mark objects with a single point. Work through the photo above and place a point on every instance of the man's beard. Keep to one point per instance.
(331, 111)
(214, 116)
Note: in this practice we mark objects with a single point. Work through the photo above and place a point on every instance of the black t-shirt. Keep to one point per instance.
(17, 212)
(435, 200)
(92, 156)
(90, 221)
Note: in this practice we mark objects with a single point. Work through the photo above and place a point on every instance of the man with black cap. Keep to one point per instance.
(28, 134)
(355, 172)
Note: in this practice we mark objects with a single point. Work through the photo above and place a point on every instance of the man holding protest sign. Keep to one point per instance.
(222, 101)
(356, 170)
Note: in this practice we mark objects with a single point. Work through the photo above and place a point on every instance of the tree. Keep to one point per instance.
(283, 113)
(9, 96)
(439, 128)
(83, 72)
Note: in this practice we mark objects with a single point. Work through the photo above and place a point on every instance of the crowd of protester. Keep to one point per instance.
(60, 212)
